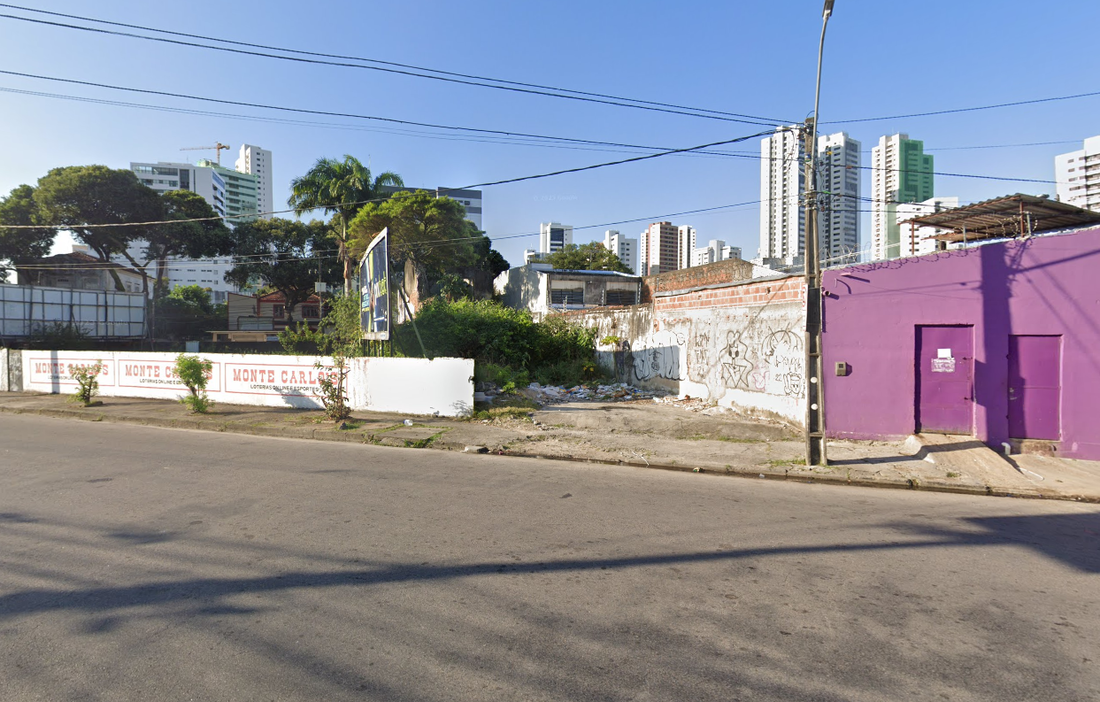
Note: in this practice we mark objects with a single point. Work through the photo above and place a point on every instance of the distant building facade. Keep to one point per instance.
(715, 251)
(782, 189)
(1078, 176)
(917, 241)
(257, 162)
(839, 176)
(625, 248)
(901, 172)
(554, 237)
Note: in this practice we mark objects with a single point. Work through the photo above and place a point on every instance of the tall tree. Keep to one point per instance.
(206, 237)
(75, 197)
(16, 245)
(593, 256)
(340, 188)
(284, 255)
(430, 232)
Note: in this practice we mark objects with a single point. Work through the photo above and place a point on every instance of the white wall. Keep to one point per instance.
(406, 385)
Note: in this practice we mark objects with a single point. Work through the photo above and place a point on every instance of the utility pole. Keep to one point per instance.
(815, 391)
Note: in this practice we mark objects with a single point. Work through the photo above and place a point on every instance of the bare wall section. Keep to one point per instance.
(736, 344)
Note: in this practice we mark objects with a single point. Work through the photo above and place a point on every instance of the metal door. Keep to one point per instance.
(1034, 387)
(945, 379)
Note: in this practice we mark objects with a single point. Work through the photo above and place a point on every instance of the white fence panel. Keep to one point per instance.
(443, 386)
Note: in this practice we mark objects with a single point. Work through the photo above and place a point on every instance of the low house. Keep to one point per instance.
(79, 271)
(996, 342)
(273, 305)
(540, 289)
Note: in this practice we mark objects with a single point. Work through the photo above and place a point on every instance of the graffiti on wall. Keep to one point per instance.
(756, 351)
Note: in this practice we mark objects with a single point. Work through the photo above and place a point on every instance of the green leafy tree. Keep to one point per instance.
(284, 255)
(340, 188)
(430, 232)
(593, 256)
(188, 239)
(192, 297)
(17, 245)
(75, 197)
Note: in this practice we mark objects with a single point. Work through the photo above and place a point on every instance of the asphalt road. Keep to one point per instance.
(152, 564)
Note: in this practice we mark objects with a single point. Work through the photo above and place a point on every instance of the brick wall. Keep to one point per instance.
(741, 295)
(729, 271)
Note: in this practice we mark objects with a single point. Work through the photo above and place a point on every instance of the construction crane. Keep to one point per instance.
(217, 147)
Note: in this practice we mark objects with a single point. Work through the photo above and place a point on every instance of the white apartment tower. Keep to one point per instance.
(685, 237)
(554, 237)
(782, 214)
(1078, 176)
(782, 207)
(626, 249)
(900, 172)
(256, 161)
(715, 250)
(838, 178)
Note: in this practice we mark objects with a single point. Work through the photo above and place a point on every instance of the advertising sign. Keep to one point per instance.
(374, 289)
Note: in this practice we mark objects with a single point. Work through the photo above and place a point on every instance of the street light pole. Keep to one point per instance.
(815, 394)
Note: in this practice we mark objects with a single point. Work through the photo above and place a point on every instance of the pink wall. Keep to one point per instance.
(1044, 285)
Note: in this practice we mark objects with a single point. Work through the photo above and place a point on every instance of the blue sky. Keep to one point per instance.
(881, 58)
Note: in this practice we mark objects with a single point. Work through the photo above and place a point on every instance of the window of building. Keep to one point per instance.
(625, 297)
(278, 311)
(567, 297)
(310, 311)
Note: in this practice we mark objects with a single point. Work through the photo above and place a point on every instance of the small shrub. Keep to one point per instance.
(192, 372)
(87, 382)
(300, 340)
(331, 392)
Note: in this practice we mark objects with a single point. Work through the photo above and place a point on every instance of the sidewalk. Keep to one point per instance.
(639, 433)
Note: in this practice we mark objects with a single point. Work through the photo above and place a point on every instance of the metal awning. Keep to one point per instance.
(1005, 217)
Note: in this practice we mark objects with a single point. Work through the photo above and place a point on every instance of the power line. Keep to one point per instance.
(392, 120)
(531, 140)
(448, 77)
(609, 163)
(958, 110)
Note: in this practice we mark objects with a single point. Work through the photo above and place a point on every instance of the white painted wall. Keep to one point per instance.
(406, 385)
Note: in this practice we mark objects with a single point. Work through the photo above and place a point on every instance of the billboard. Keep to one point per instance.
(374, 289)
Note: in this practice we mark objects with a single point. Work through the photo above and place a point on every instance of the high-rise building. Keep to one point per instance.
(917, 241)
(554, 237)
(256, 161)
(470, 199)
(164, 176)
(209, 183)
(685, 243)
(626, 249)
(240, 192)
(782, 211)
(901, 172)
(782, 188)
(659, 249)
(1078, 175)
(838, 181)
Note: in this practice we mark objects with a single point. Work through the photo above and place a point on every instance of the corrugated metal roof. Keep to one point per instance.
(1005, 217)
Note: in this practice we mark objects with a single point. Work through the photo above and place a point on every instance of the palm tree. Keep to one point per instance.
(340, 187)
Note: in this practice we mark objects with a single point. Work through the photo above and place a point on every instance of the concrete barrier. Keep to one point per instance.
(442, 386)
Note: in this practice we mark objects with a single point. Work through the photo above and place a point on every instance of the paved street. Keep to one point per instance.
(152, 564)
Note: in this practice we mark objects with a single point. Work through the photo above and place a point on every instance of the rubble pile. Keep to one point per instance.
(548, 394)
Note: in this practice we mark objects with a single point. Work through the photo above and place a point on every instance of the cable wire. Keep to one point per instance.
(569, 95)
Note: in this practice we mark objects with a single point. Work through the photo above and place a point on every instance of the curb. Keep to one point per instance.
(298, 432)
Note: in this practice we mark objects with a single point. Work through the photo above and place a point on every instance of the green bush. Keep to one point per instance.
(87, 382)
(192, 372)
(508, 347)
